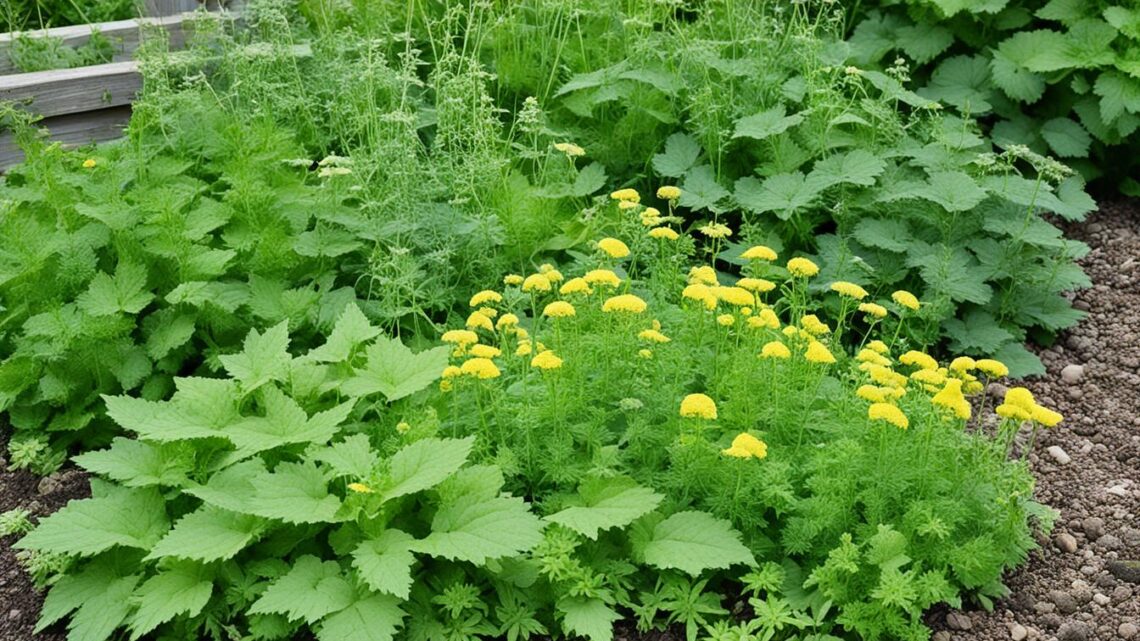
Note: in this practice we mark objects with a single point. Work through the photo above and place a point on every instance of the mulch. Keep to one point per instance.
(1082, 585)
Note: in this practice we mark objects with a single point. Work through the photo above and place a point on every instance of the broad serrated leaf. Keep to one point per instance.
(858, 167)
(1118, 93)
(295, 493)
(373, 618)
(133, 518)
(1020, 361)
(385, 563)
(478, 531)
(231, 488)
(311, 590)
(352, 457)
(1015, 80)
(700, 190)
(681, 153)
(766, 123)
(264, 357)
(590, 179)
(167, 331)
(1041, 51)
(607, 504)
(76, 588)
(352, 330)
(138, 463)
(284, 423)
(208, 534)
(588, 617)
(694, 542)
(962, 82)
(891, 234)
(952, 272)
(924, 41)
(954, 190)
(100, 615)
(323, 240)
(977, 333)
(126, 292)
(396, 371)
(1066, 138)
(200, 409)
(181, 590)
(783, 194)
(425, 464)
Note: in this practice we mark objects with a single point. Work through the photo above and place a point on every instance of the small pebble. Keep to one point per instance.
(1065, 542)
(1127, 630)
(1064, 601)
(958, 621)
(1059, 455)
(1101, 599)
(1017, 632)
(1073, 631)
(1116, 490)
(941, 635)
(1072, 373)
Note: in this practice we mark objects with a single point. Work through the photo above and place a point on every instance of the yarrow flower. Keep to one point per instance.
(624, 303)
(873, 309)
(507, 321)
(613, 247)
(645, 353)
(817, 352)
(868, 355)
(879, 346)
(715, 230)
(570, 149)
(668, 192)
(698, 406)
(550, 273)
(486, 296)
(994, 368)
(450, 372)
(461, 337)
(651, 217)
(844, 288)
(759, 252)
(813, 325)
(725, 320)
(963, 364)
(765, 319)
(89, 163)
(575, 286)
(546, 360)
(629, 195)
(758, 285)
(483, 368)
(918, 359)
(653, 335)
(700, 292)
(889, 413)
(906, 299)
(536, 283)
(360, 488)
(775, 349)
(602, 277)
(663, 233)
(512, 279)
(524, 348)
(479, 320)
(704, 274)
(802, 267)
(884, 375)
(872, 393)
(485, 351)
(559, 309)
(737, 296)
(746, 446)
(951, 398)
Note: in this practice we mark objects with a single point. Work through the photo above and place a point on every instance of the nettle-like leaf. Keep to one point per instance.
(588, 617)
(126, 293)
(396, 371)
(680, 155)
(385, 563)
(310, 591)
(134, 518)
(1066, 138)
(353, 457)
(475, 531)
(371, 618)
(208, 534)
(695, 541)
(700, 189)
(264, 358)
(605, 504)
(284, 423)
(295, 493)
(181, 590)
(783, 194)
(200, 408)
(766, 123)
(425, 464)
(138, 463)
(351, 331)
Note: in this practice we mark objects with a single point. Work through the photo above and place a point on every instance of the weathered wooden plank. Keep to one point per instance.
(125, 36)
(62, 91)
(168, 7)
(72, 130)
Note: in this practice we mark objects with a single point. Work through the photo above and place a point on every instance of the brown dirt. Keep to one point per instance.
(1080, 595)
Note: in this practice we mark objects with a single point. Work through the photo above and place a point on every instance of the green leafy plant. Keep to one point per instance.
(1056, 75)
(40, 53)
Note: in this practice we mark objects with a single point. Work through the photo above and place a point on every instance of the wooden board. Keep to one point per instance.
(124, 35)
(72, 130)
(65, 91)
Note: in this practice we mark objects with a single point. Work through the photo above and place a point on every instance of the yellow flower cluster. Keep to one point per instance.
(613, 247)
(1019, 405)
(802, 267)
(851, 290)
(698, 406)
(746, 446)
(624, 303)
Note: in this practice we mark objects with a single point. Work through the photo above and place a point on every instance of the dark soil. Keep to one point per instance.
(1080, 586)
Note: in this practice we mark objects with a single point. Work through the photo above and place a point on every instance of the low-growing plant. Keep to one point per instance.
(40, 53)
(1056, 75)
(23, 15)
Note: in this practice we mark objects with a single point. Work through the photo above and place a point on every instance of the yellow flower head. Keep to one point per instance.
(715, 230)
(489, 312)
(360, 488)
(553, 276)
(700, 292)
(889, 413)
(725, 320)
(929, 376)
(521, 333)
(759, 252)
(645, 353)
(461, 337)
(624, 303)
(663, 233)
(775, 349)
(506, 321)
(650, 217)
(802, 267)
(951, 398)
(765, 319)
(868, 355)
(89, 163)
(602, 277)
(653, 335)
(813, 325)
(446, 385)
(745, 311)
(873, 309)
(1013, 412)
(570, 149)
(546, 360)
(485, 351)
(698, 406)
(963, 364)
(627, 204)
(512, 279)
(524, 348)
(884, 375)
(918, 359)
(817, 352)
(486, 296)
(480, 368)
(668, 192)
(479, 320)
(872, 393)
(879, 346)
(906, 299)
(844, 288)
(613, 247)
(402, 427)
(575, 286)
(1020, 397)
(758, 285)
(704, 275)
(559, 309)
(451, 371)
(1046, 417)
(994, 368)
(746, 446)
(536, 283)
(630, 195)
(737, 296)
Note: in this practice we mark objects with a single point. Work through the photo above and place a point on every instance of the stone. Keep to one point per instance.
(1127, 630)
(941, 635)
(1072, 373)
(1101, 599)
(1061, 456)
(1124, 570)
(1131, 537)
(1064, 601)
(1065, 542)
(1121, 593)
(1117, 490)
(1073, 631)
(1093, 527)
(15, 614)
(1081, 591)
(958, 621)
(1017, 632)
(1044, 607)
(1109, 542)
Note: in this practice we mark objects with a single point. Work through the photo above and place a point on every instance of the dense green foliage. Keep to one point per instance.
(26, 15)
(40, 53)
(1061, 76)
